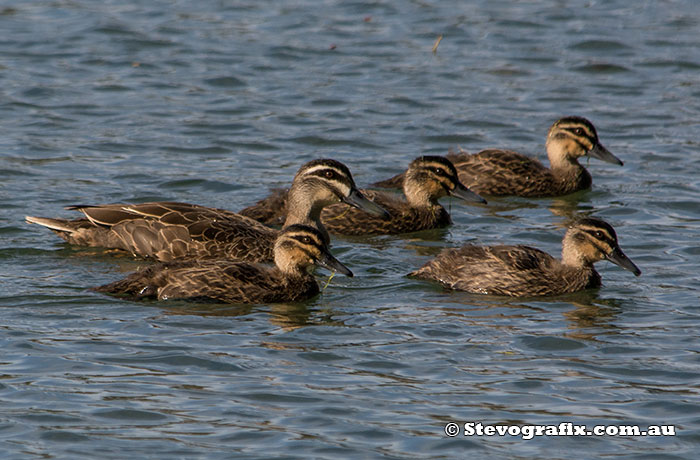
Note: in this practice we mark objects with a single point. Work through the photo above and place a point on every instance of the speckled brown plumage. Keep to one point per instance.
(525, 271)
(296, 249)
(271, 210)
(503, 172)
(169, 231)
(344, 220)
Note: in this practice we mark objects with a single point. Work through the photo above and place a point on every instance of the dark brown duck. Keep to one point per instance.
(524, 271)
(296, 249)
(168, 231)
(499, 172)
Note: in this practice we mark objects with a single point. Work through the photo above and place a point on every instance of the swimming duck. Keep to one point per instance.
(429, 178)
(296, 249)
(168, 231)
(524, 271)
(503, 172)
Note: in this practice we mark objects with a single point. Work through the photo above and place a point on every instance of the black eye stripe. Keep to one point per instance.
(434, 161)
(297, 232)
(336, 176)
(300, 238)
(442, 170)
(586, 130)
(605, 237)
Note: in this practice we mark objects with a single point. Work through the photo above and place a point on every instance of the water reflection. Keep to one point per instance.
(569, 207)
(587, 314)
(286, 316)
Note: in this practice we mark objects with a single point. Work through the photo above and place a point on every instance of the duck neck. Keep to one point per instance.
(566, 169)
(305, 211)
(572, 257)
(417, 196)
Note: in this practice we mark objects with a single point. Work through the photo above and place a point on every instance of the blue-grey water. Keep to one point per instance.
(215, 102)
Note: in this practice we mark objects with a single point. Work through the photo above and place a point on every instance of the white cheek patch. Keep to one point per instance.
(343, 188)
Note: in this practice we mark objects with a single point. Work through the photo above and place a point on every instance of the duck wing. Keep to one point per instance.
(500, 270)
(171, 230)
(271, 210)
(503, 172)
(218, 280)
(347, 220)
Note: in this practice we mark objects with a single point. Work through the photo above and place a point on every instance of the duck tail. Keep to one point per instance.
(58, 225)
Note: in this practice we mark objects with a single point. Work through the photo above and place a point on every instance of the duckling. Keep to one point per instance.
(503, 172)
(428, 178)
(168, 231)
(296, 249)
(523, 271)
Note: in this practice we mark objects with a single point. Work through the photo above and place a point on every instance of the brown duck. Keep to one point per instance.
(524, 271)
(428, 178)
(296, 249)
(168, 231)
(503, 172)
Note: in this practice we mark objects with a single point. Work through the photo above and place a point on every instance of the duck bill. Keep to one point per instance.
(603, 154)
(619, 258)
(462, 192)
(358, 200)
(329, 262)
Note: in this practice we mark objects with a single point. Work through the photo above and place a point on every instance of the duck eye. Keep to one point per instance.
(599, 235)
(439, 171)
(306, 240)
(578, 131)
(330, 174)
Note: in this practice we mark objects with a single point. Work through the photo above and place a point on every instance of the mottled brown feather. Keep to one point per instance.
(524, 271)
(296, 249)
(344, 220)
(215, 280)
(506, 270)
(271, 210)
(168, 230)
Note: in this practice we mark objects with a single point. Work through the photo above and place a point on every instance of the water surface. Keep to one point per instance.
(214, 103)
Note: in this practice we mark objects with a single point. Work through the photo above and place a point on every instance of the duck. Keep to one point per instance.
(428, 179)
(167, 231)
(523, 271)
(497, 172)
(297, 249)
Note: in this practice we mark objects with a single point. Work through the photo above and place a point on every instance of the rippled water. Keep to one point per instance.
(215, 102)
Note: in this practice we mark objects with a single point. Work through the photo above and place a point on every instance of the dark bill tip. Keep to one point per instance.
(619, 258)
(358, 200)
(462, 192)
(329, 262)
(603, 154)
